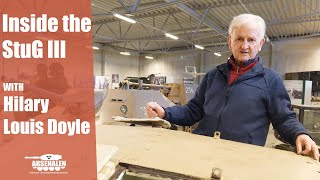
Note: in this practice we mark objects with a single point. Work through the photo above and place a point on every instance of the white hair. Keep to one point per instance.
(248, 19)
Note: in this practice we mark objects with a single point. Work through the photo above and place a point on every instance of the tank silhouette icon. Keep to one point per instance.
(46, 157)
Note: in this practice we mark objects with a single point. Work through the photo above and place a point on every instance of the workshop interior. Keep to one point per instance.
(162, 51)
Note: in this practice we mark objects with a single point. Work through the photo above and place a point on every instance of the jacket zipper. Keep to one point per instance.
(224, 106)
(226, 102)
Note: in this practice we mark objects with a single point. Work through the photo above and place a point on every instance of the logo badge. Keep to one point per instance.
(48, 163)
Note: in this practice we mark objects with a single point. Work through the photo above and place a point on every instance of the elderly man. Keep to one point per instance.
(240, 98)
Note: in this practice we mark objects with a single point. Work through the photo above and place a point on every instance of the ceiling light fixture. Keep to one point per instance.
(124, 18)
(94, 47)
(171, 36)
(125, 53)
(217, 54)
(149, 57)
(199, 47)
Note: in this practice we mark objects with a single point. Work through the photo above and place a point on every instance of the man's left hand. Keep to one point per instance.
(306, 146)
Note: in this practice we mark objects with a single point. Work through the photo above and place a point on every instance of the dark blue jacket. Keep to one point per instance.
(241, 111)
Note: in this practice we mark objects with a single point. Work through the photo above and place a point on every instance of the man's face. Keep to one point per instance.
(245, 42)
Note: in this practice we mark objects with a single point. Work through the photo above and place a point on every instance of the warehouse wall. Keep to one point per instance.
(170, 65)
(107, 62)
(296, 55)
(211, 60)
(97, 69)
(284, 56)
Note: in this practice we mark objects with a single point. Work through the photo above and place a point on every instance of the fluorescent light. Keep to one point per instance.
(171, 36)
(217, 54)
(149, 57)
(124, 18)
(94, 47)
(199, 47)
(125, 53)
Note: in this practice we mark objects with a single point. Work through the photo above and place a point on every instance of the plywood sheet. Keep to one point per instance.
(154, 122)
(104, 154)
(195, 155)
(127, 139)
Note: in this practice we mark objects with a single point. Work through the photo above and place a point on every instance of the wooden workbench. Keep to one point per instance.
(196, 156)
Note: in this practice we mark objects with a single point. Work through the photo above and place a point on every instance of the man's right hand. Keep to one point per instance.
(154, 110)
